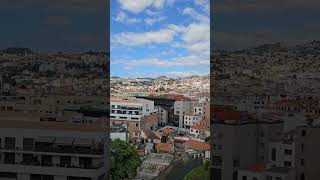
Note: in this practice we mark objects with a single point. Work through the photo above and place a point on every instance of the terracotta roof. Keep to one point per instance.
(197, 145)
(167, 147)
(151, 119)
(152, 134)
(200, 127)
(205, 122)
(168, 130)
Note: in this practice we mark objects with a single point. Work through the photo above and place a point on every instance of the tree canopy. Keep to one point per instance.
(124, 160)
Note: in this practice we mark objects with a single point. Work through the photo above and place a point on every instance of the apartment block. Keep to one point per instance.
(239, 140)
(51, 150)
(131, 111)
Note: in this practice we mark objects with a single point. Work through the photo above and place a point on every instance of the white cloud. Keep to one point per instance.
(123, 18)
(137, 6)
(196, 35)
(195, 15)
(204, 4)
(164, 35)
(185, 73)
(151, 21)
(178, 61)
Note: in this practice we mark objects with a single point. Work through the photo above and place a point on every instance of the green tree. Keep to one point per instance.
(124, 160)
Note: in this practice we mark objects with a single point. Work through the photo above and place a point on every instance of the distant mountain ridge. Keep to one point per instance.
(17, 50)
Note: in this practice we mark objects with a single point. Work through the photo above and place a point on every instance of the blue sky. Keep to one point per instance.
(151, 38)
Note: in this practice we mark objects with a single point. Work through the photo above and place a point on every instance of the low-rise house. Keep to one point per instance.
(197, 148)
(200, 130)
(150, 136)
(165, 147)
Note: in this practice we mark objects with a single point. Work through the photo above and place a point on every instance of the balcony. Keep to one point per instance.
(56, 169)
(126, 108)
(61, 150)
(47, 164)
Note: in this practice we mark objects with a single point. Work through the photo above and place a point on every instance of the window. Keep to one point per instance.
(244, 177)
(28, 143)
(287, 164)
(273, 154)
(10, 142)
(65, 161)
(288, 152)
(137, 124)
(236, 163)
(235, 175)
(254, 178)
(216, 174)
(302, 162)
(302, 147)
(269, 177)
(217, 160)
(303, 132)
(9, 158)
(302, 176)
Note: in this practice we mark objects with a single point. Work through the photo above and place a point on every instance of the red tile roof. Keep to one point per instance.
(152, 134)
(168, 130)
(151, 119)
(200, 127)
(197, 145)
(167, 147)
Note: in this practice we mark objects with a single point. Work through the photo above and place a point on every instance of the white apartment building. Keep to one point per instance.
(191, 119)
(131, 111)
(42, 150)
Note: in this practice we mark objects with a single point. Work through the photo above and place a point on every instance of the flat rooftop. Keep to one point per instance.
(128, 100)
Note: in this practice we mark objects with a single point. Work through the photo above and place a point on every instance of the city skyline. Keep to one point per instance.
(159, 38)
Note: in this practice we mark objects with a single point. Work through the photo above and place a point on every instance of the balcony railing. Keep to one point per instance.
(83, 166)
(70, 150)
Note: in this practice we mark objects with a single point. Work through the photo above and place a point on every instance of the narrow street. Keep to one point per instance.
(182, 168)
